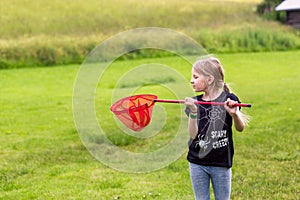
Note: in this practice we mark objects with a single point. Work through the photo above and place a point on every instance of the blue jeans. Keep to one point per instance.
(219, 176)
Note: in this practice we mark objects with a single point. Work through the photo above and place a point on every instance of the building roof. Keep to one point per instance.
(288, 5)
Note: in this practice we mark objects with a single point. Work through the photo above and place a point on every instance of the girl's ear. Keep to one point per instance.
(210, 80)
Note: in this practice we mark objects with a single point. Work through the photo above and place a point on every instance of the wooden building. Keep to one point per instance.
(292, 9)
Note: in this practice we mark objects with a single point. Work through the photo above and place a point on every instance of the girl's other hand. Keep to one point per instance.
(190, 103)
(229, 106)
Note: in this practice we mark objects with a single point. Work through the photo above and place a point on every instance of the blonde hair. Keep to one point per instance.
(211, 66)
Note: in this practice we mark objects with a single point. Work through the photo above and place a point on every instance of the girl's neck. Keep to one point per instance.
(212, 94)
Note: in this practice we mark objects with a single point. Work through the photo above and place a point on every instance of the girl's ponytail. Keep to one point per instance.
(246, 118)
(226, 88)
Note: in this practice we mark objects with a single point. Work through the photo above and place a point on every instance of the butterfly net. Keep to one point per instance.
(134, 111)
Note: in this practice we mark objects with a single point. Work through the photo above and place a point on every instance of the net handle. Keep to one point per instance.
(201, 102)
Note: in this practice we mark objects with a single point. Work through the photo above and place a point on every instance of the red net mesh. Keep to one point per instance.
(134, 111)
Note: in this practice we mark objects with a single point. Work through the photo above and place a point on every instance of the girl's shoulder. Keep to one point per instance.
(232, 96)
(223, 96)
(198, 97)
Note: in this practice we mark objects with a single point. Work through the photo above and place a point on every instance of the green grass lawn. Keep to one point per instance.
(42, 156)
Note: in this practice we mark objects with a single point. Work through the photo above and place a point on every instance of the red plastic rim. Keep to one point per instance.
(134, 111)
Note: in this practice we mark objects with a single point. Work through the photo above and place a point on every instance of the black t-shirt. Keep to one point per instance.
(213, 144)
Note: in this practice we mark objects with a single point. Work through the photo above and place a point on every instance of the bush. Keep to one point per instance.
(248, 39)
(44, 51)
(41, 52)
(267, 10)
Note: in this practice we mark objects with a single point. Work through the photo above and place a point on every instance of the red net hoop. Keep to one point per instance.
(134, 111)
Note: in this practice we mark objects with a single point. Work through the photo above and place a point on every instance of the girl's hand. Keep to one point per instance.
(190, 103)
(235, 113)
(229, 106)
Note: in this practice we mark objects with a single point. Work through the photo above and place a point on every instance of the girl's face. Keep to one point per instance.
(198, 81)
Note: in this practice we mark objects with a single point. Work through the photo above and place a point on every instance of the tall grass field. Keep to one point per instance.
(42, 156)
(46, 33)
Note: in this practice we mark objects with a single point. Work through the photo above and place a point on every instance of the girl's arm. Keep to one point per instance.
(235, 113)
(192, 123)
(192, 126)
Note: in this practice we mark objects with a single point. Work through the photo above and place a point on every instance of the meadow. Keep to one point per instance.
(42, 44)
(35, 33)
(43, 157)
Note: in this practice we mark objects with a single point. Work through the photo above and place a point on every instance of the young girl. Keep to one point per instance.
(211, 145)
